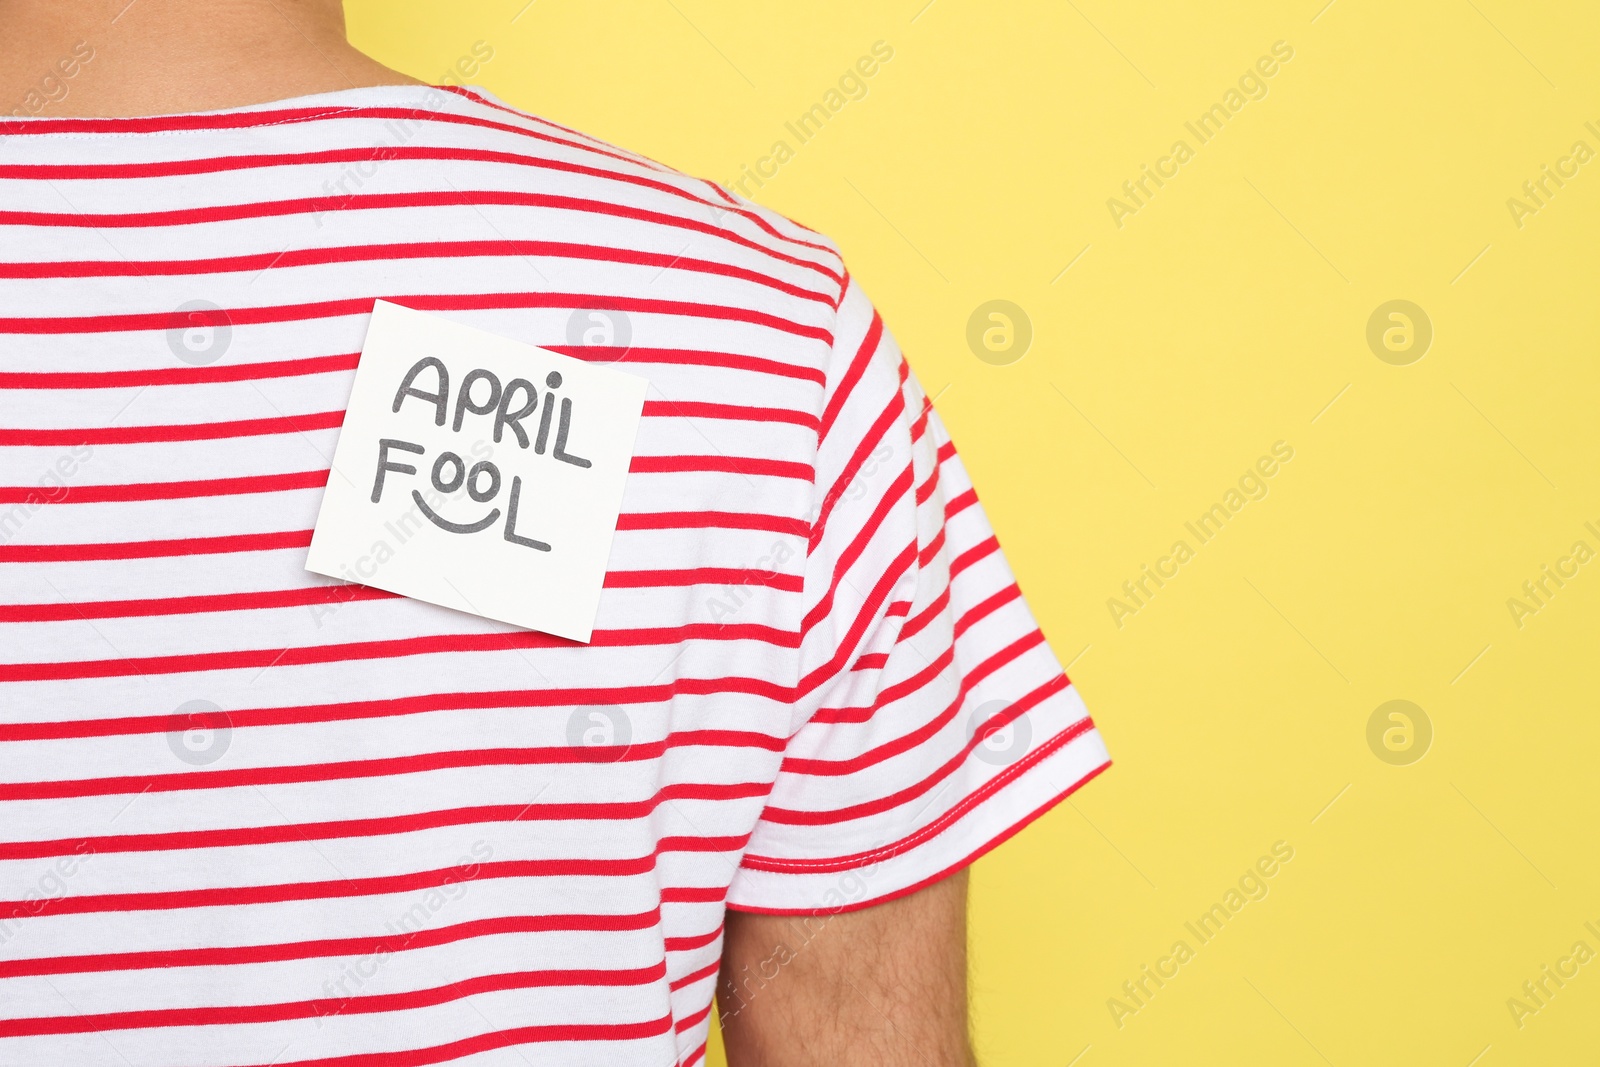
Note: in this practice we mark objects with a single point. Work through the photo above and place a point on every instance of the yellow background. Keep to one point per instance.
(1224, 316)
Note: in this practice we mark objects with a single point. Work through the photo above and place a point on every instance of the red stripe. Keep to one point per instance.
(935, 607)
(352, 592)
(478, 98)
(747, 465)
(425, 703)
(788, 583)
(223, 372)
(929, 486)
(190, 546)
(362, 305)
(691, 978)
(383, 201)
(235, 897)
(864, 448)
(869, 532)
(246, 1014)
(689, 1022)
(348, 770)
(982, 550)
(703, 410)
(725, 520)
(191, 605)
(892, 693)
(957, 504)
(851, 640)
(433, 644)
(933, 668)
(189, 781)
(986, 607)
(195, 431)
(377, 885)
(689, 944)
(342, 254)
(469, 1046)
(889, 694)
(920, 426)
(100, 494)
(610, 811)
(847, 385)
(871, 661)
(694, 895)
(200, 546)
(288, 368)
(691, 358)
(234, 955)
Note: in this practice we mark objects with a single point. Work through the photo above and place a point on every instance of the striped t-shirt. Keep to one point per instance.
(252, 816)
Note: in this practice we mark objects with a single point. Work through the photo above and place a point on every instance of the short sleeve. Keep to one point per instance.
(932, 720)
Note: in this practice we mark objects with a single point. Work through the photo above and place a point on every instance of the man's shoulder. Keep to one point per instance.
(599, 175)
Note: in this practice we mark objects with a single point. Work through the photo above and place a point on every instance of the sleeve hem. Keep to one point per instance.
(1091, 760)
(931, 830)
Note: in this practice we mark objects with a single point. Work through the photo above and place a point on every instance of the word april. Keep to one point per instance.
(508, 404)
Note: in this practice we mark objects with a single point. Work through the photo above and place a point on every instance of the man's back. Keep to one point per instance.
(252, 815)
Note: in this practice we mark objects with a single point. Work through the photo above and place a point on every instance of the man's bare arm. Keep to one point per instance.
(882, 987)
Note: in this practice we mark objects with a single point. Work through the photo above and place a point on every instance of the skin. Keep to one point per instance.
(884, 986)
(155, 57)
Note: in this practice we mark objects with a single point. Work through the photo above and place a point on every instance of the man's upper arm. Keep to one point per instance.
(883, 986)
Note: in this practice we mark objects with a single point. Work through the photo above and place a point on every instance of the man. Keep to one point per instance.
(250, 815)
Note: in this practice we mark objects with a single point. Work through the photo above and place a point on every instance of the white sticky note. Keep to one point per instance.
(478, 473)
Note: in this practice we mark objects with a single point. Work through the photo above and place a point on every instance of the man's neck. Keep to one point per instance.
(66, 58)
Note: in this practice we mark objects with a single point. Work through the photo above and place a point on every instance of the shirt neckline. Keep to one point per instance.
(427, 95)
